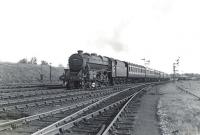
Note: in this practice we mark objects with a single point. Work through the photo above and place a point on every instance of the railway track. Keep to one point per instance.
(33, 123)
(123, 121)
(22, 106)
(95, 121)
(32, 95)
(28, 92)
(45, 117)
(37, 104)
(24, 85)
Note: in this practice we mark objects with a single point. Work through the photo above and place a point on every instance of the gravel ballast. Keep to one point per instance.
(146, 122)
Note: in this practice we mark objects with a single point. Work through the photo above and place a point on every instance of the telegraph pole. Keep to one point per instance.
(41, 74)
(174, 71)
(50, 72)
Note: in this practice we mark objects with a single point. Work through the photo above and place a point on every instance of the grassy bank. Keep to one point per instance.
(179, 113)
(27, 73)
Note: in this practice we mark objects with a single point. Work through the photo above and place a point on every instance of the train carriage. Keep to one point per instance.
(157, 74)
(150, 73)
(135, 72)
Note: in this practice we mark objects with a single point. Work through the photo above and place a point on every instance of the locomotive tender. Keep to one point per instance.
(90, 70)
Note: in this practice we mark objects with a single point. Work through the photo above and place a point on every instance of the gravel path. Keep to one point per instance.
(146, 120)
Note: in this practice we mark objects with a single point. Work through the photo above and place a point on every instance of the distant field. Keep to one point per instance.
(27, 73)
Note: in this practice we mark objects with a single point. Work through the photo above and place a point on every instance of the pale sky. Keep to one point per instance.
(129, 30)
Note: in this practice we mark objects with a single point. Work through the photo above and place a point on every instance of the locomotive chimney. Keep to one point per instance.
(80, 52)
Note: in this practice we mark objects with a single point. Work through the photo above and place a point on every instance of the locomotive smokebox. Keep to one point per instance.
(76, 62)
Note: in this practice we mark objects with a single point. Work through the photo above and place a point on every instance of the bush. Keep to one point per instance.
(23, 61)
(44, 62)
(33, 61)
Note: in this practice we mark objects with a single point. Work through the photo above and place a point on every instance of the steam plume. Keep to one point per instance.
(114, 42)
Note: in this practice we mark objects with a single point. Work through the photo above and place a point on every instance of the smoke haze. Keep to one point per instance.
(114, 41)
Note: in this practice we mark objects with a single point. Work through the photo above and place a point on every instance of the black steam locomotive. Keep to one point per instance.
(89, 70)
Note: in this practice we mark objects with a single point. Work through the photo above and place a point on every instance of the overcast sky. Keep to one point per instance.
(159, 30)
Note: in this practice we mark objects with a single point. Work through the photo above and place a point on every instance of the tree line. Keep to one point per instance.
(34, 61)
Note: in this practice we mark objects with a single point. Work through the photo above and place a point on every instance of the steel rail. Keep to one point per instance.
(64, 127)
(55, 125)
(34, 92)
(21, 121)
(28, 85)
(106, 131)
(8, 107)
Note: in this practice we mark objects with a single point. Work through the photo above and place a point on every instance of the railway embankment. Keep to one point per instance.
(27, 73)
(179, 108)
